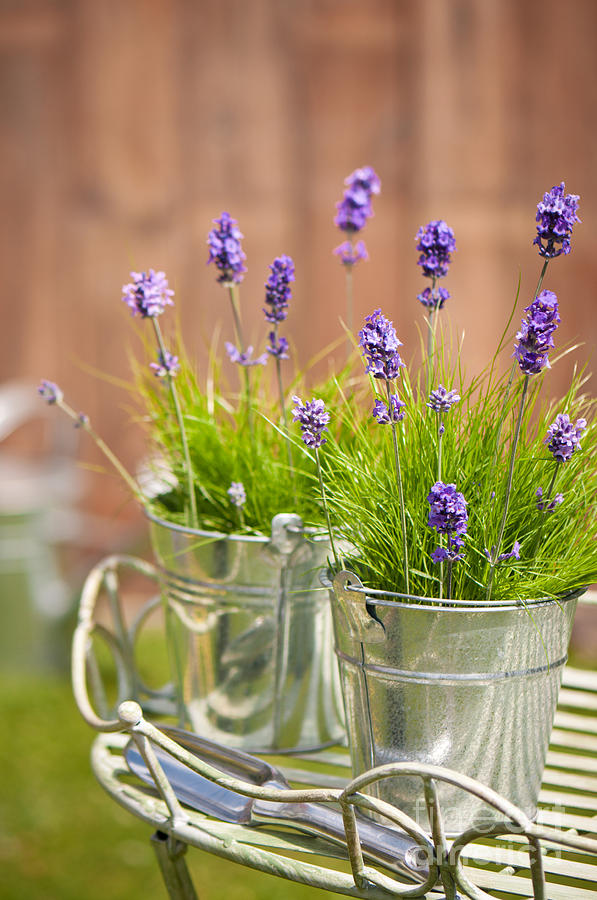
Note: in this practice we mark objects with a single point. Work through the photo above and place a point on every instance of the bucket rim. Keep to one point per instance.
(393, 599)
(312, 533)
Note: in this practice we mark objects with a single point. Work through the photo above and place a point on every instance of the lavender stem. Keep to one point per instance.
(440, 434)
(546, 506)
(82, 422)
(431, 324)
(325, 508)
(498, 545)
(283, 407)
(349, 294)
(241, 345)
(183, 435)
(400, 491)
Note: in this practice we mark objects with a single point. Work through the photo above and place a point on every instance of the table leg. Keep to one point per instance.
(170, 854)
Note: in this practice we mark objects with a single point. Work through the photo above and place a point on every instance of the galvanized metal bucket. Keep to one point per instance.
(251, 635)
(471, 686)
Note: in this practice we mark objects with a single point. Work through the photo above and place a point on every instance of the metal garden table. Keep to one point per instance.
(554, 858)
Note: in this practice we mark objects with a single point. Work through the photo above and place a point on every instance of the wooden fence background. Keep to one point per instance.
(127, 125)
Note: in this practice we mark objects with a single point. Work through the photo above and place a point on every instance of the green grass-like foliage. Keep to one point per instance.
(558, 550)
(227, 445)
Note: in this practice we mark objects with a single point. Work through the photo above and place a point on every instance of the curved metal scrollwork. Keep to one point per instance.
(445, 857)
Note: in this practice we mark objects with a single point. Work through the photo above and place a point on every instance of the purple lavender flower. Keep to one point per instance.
(313, 419)
(556, 215)
(536, 333)
(82, 420)
(278, 346)
(563, 437)
(547, 506)
(244, 358)
(364, 179)
(441, 400)
(225, 250)
(167, 364)
(50, 392)
(277, 289)
(448, 516)
(441, 554)
(434, 299)
(237, 494)
(513, 554)
(349, 255)
(355, 207)
(435, 243)
(380, 344)
(148, 294)
(394, 414)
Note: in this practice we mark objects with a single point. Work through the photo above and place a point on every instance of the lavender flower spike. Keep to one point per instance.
(349, 255)
(313, 419)
(278, 346)
(547, 506)
(513, 554)
(535, 337)
(277, 289)
(167, 364)
(556, 215)
(237, 494)
(148, 294)
(50, 392)
(380, 343)
(448, 516)
(563, 437)
(434, 299)
(364, 179)
(394, 414)
(244, 359)
(355, 207)
(441, 400)
(225, 250)
(435, 243)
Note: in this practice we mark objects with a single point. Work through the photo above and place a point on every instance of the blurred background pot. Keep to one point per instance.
(471, 686)
(250, 634)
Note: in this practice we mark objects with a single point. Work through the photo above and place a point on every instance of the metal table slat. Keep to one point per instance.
(571, 761)
(574, 722)
(521, 887)
(574, 740)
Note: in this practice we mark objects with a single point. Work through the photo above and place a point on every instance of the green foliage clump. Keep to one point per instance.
(558, 550)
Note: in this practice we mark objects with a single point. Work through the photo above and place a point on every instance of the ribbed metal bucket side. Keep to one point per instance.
(251, 635)
(472, 687)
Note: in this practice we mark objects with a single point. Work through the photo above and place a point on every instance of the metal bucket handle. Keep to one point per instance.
(362, 624)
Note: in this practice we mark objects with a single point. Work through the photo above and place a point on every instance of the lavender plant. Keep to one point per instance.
(470, 474)
(379, 342)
